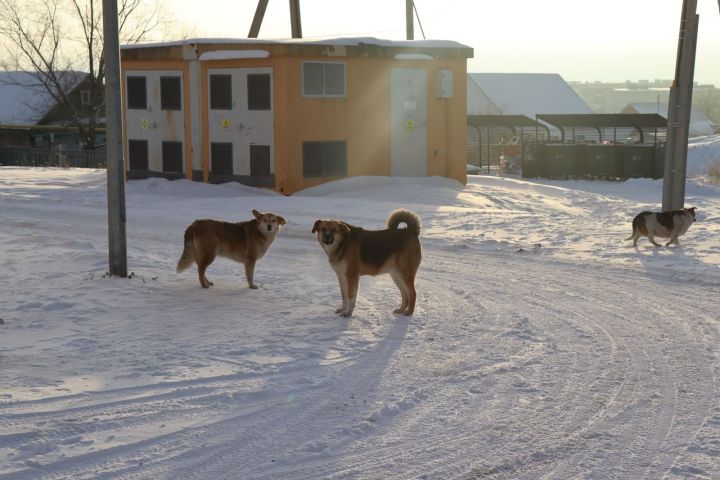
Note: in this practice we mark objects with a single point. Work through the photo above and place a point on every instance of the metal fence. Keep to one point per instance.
(57, 157)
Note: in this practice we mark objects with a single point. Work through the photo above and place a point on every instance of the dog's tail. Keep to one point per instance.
(188, 255)
(404, 216)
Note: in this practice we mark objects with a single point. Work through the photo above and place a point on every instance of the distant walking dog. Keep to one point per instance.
(353, 251)
(244, 242)
(666, 225)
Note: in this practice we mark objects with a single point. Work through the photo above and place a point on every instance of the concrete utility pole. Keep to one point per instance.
(295, 23)
(409, 24)
(115, 166)
(258, 18)
(679, 106)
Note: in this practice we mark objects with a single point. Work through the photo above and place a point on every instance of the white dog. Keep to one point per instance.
(666, 224)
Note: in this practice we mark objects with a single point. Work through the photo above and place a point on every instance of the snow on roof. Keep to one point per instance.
(347, 42)
(699, 123)
(233, 54)
(527, 94)
(20, 104)
(23, 101)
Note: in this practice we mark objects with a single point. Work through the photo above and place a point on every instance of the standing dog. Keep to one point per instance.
(666, 224)
(244, 242)
(354, 251)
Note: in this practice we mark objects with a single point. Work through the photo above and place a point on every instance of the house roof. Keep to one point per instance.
(20, 104)
(362, 46)
(528, 93)
(699, 123)
(23, 101)
(662, 108)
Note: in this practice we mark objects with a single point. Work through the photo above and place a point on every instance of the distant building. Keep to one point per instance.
(293, 114)
(699, 123)
(610, 97)
(526, 94)
(29, 116)
(522, 94)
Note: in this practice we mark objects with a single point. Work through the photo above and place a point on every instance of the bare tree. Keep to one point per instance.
(58, 44)
(708, 101)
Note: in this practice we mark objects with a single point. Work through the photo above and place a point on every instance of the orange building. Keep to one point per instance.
(293, 114)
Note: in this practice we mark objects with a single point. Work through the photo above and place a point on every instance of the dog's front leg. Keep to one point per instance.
(250, 272)
(353, 284)
(343, 292)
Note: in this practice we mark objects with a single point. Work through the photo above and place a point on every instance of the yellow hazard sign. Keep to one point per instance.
(226, 123)
(410, 125)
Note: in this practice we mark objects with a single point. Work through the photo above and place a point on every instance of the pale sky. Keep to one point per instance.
(606, 40)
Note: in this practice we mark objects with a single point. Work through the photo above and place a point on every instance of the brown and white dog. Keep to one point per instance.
(354, 251)
(244, 242)
(670, 225)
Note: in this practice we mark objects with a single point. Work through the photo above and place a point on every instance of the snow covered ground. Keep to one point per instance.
(543, 344)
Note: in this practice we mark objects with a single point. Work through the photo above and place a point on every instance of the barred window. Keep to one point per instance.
(323, 79)
(325, 159)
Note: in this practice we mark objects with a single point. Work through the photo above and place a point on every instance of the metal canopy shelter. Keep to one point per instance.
(511, 122)
(598, 121)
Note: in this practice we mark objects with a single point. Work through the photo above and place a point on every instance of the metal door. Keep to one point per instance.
(240, 120)
(408, 122)
(157, 123)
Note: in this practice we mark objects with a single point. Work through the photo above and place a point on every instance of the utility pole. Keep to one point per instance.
(258, 18)
(679, 106)
(115, 166)
(409, 24)
(295, 23)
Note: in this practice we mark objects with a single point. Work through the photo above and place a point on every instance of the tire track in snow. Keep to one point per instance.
(504, 378)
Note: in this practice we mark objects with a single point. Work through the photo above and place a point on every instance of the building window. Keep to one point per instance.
(84, 97)
(324, 159)
(170, 93)
(137, 93)
(260, 160)
(172, 157)
(321, 79)
(221, 158)
(258, 88)
(220, 92)
(138, 154)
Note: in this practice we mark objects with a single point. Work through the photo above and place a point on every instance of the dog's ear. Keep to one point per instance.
(256, 214)
(281, 220)
(316, 226)
(345, 228)
(692, 210)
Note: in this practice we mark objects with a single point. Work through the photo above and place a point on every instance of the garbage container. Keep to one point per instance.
(602, 161)
(659, 160)
(534, 160)
(638, 161)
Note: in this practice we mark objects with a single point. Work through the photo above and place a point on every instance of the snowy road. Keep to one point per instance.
(516, 364)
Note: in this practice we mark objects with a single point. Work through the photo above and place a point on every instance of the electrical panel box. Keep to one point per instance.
(444, 83)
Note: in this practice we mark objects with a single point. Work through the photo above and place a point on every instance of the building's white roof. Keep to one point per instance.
(524, 94)
(347, 42)
(19, 104)
(699, 123)
(23, 101)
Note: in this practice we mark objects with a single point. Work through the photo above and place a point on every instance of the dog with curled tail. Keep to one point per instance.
(353, 251)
